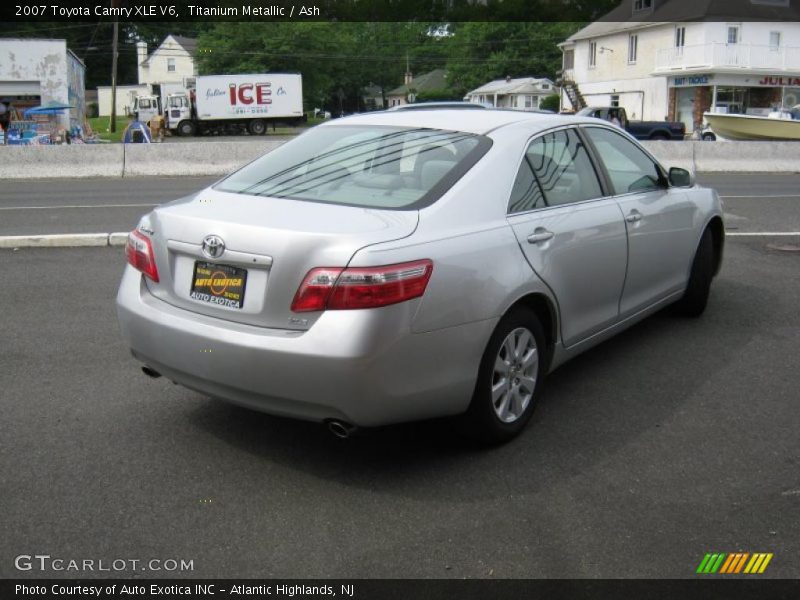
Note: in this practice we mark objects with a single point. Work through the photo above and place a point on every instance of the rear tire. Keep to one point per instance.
(695, 298)
(187, 128)
(257, 127)
(709, 137)
(510, 378)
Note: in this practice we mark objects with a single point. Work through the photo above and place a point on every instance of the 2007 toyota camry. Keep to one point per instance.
(413, 264)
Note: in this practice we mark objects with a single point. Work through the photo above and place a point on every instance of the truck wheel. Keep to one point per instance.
(257, 127)
(186, 128)
(709, 137)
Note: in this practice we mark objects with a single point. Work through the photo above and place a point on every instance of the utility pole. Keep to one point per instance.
(115, 44)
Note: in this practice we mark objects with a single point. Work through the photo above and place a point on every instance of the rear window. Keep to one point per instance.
(371, 167)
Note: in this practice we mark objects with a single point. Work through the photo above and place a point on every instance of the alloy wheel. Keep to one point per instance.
(516, 368)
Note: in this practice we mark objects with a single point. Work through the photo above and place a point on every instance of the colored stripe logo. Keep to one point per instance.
(734, 563)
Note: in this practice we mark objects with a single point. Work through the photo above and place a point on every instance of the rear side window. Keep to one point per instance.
(556, 170)
(628, 167)
(367, 166)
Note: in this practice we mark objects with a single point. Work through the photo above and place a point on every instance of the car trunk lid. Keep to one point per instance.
(269, 244)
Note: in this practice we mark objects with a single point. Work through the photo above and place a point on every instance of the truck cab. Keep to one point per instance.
(642, 130)
(178, 113)
(145, 108)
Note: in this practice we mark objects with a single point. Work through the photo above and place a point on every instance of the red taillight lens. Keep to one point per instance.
(362, 287)
(139, 251)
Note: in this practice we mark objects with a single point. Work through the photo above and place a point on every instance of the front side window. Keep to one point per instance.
(357, 165)
(628, 167)
(555, 170)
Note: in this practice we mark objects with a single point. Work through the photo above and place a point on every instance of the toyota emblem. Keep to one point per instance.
(213, 246)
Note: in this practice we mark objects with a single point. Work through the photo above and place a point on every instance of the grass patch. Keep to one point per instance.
(100, 126)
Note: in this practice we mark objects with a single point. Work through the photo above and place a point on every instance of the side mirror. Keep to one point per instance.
(680, 177)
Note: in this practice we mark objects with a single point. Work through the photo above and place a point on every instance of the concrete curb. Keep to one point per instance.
(64, 240)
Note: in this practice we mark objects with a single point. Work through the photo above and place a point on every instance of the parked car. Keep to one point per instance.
(641, 130)
(404, 265)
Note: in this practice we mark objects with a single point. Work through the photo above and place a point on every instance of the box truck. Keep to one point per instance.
(235, 103)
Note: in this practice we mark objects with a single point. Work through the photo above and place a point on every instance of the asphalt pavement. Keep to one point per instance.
(753, 202)
(677, 438)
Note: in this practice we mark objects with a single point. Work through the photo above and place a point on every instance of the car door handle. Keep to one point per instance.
(540, 235)
(634, 216)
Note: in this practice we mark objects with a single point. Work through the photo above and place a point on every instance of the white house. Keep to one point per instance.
(660, 60)
(125, 96)
(172, 62)
(522, 93)
(35, 72)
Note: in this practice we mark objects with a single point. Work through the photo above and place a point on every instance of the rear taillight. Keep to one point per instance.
(139, 251)
(362, 287)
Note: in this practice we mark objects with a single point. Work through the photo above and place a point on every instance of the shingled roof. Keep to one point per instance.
(434, 80)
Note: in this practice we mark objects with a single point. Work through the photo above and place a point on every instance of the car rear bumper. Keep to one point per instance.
(364, 367)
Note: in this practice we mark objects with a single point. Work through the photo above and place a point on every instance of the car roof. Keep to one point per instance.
(439, 106)
(478, 121)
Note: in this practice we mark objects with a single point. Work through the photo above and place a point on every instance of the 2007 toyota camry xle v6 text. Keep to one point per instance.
(413, 264)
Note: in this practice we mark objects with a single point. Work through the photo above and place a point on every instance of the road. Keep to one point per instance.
(677, 438)
(754, 203)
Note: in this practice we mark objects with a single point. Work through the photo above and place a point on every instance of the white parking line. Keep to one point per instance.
(77, 240)
(759, 196)
(64, 240)
(761, 233)
(74, 206)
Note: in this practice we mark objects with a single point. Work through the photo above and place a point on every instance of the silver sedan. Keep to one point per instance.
(415, 264)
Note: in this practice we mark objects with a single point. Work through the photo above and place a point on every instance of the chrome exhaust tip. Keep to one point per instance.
(341, 429)
(152, 373)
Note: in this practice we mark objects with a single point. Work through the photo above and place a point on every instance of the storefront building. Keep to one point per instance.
(692, 95)
(37, 72)
(662, 61)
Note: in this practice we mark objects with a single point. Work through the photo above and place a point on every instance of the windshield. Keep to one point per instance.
(368, 166)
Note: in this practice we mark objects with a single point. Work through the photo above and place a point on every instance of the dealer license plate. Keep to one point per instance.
(218, 284)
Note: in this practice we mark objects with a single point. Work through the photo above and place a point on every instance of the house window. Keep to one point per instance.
(569, 59)
(592, 55)
(642, 5)
(680, 37)
(733, 34)
(545, 86)
(528, 101)
(171, 65)
(615, 100)
(774, 40)
(633, 49)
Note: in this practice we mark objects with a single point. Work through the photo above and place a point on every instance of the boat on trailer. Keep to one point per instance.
(779, 126)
